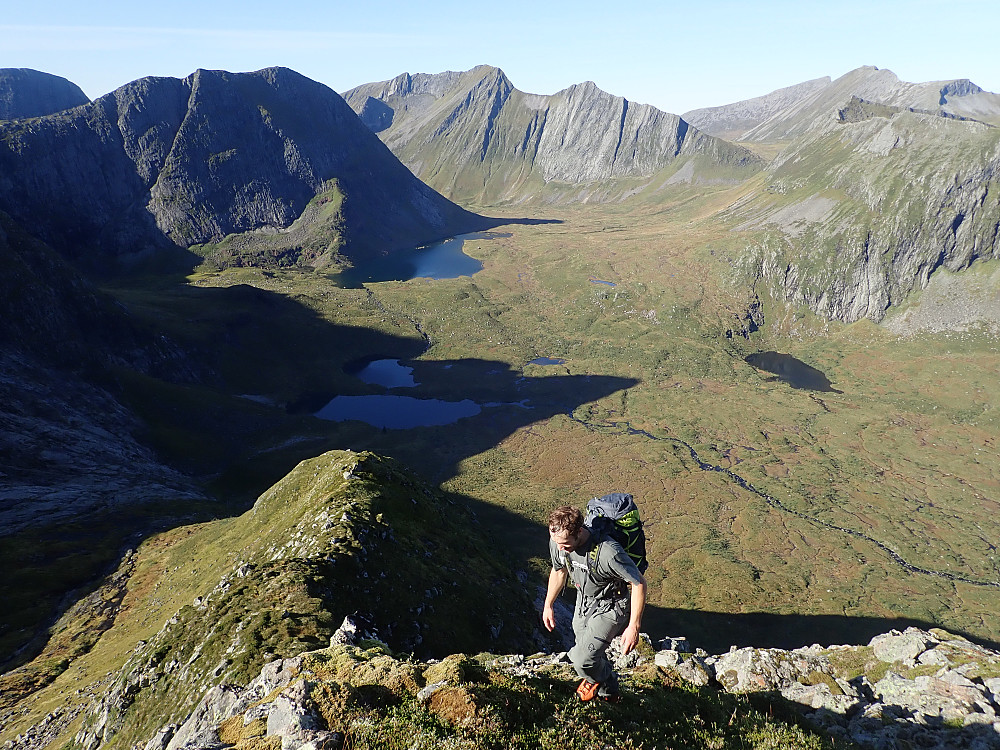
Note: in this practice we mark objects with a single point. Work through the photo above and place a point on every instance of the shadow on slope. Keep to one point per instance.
(256, 351)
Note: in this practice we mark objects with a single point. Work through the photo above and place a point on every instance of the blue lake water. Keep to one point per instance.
(388, 373)
(599, 281)
(443, 260)
(547, 361)
(398, 412)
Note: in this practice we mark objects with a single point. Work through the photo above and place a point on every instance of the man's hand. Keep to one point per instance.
(557, 579)
(630, 638)
(549, 617)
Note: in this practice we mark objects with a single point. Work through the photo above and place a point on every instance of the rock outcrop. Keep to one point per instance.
(31, 93)
(915, 688)
(474, 135)
(163, 161)
(910, 689)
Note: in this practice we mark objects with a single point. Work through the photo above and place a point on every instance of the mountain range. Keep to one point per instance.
(475, 137)
(169, 330)
(163, 162)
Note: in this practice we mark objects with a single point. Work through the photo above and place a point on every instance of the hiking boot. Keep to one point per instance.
(608, 690)
(586, 690)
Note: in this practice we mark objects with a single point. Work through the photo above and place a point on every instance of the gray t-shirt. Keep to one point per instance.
(600, 580)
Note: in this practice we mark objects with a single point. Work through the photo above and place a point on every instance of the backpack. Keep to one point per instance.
(616, 515)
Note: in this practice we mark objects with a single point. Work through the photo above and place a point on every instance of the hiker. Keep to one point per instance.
(610, 597)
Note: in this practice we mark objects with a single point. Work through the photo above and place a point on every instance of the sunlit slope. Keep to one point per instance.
(855, 216)
(476, 138)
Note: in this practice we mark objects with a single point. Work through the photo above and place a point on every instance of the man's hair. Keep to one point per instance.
(566, 518)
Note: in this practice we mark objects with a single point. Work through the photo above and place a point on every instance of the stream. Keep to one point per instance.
(628, 429)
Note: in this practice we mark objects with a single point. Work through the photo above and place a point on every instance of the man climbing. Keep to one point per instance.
(610, 597)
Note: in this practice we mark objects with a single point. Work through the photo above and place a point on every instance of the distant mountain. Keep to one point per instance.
(473, 136)
(795, 110)
(163, 161)
(731, 121)
(30, 93)
(860, 210)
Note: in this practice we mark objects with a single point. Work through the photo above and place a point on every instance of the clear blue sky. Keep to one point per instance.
(674, 55)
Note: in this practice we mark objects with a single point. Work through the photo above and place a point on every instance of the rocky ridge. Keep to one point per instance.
(731, 121)
(473, 135)
(342, 533)
(916, 688)
(31, 93)
(167, 162)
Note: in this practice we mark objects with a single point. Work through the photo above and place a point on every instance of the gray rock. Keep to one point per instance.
(931, 697)
(695, 671)
(200, 730)
(292, 716)
(820, 696)
(668, 658)
(900, 647)
(753, 670)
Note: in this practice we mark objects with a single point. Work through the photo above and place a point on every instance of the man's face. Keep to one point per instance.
(564, 540)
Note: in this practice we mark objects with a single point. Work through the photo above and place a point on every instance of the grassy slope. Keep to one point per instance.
(215, 601)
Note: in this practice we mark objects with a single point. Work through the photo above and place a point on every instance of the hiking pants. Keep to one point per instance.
(593, 636)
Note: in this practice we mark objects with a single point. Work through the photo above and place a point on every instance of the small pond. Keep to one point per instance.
(545, 361)
(442, 260)
(601, 281)
(793, 371)
(388, 373)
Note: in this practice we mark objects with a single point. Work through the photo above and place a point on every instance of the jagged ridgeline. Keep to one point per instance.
(272, 165)
(342, 533)
(474, 137)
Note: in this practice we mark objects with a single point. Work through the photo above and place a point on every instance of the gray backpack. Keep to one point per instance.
(616, 515)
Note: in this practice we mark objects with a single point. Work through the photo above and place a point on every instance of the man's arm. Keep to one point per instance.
(557, 580)
(630, 638)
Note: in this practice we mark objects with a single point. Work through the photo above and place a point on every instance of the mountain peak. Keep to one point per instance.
(31, 93)
(218, 153)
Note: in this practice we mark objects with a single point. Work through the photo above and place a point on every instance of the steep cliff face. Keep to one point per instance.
(805, 107)
(474, 135)
(31, 93)
(165, 161)
(864, 209)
